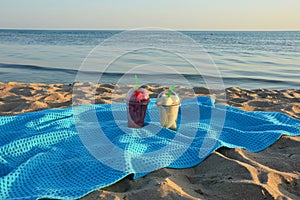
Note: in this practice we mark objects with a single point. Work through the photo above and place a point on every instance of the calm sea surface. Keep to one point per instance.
(244, 59)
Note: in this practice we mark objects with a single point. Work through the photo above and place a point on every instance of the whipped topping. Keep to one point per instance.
(163, 99)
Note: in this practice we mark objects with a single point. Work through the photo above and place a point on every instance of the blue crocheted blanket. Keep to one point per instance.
(67, 153)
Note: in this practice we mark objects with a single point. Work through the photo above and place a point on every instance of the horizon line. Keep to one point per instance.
(75, 29)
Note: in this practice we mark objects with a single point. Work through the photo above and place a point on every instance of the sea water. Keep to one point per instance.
(247, 59)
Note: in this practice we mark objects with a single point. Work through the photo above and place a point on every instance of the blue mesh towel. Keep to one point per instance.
(67, 153)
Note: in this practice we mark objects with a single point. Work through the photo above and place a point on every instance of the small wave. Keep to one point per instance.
(253, 83)
(235, 60)
(35, 67)
(32, 73)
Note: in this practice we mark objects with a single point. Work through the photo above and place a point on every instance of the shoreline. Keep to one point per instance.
(226, 174)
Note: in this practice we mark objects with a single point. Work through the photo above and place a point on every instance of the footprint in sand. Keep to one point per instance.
(239, 100)
(260, 103)
(23, 91)
(38, 106)
(102, 90)
(57, 97)
(296, 108)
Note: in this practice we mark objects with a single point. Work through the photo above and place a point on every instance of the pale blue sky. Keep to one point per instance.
(174, 14)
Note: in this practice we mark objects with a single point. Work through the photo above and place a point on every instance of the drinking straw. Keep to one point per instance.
(136, 82)
(171, 90)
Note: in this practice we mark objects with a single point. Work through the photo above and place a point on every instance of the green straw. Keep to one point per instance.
(171, 90)
(136, 82)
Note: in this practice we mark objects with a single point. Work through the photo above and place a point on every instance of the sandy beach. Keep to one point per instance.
(227, 174)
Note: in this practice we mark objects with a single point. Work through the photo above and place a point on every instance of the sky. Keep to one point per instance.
(129, 14)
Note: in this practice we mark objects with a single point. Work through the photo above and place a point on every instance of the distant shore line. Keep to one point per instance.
(121, 30)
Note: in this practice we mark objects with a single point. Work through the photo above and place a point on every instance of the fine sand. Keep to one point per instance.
(227, 174)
